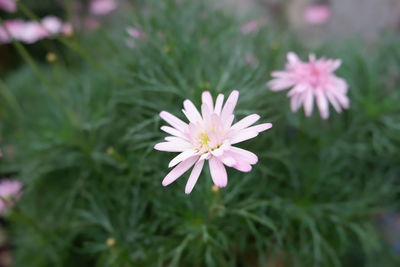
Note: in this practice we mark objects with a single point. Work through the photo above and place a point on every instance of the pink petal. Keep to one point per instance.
(218, 104)
(322, 104)
(191, 111)
(206, 112)
(308, 102)
(218, 172)
(250, 157)
(333, 101)
(181, 157)
(293, 58)
(260, 127)
(280, 84)
(173, 121)
(227, 160)
(230, 105)
(177, 172)
(170, 147)
(194, 176)
(246, 122)
(243, 135)
(242, 166)
(206, 98)
(173, 131)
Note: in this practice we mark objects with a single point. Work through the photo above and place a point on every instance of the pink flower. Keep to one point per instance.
(30, 31)
(102, 7)
(8, 5)
(209, 135)
(312, 80)
(250, 26)
(10, 190)
(317, 14)
(27, 32)
(135, 33)
(52, 25)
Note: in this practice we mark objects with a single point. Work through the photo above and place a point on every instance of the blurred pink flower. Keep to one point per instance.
(52, 25)
(250, 26)
(102, 7)
(312, 80)
(8, 5)
(317, 14)
(209, 136)
(135, 33)
(10, 190)
(30, 31)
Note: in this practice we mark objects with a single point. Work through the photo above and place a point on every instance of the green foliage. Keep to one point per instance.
(83, 129)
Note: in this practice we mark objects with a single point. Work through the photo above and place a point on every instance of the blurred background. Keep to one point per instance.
(82, 83)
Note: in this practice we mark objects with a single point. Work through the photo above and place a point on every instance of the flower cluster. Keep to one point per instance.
(32, 31)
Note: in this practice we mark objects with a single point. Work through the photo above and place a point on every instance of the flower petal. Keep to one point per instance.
(170, 147)
(260, 127)
(177, 172)
(218, 104)
(206, 98)
(246, 122)
(173, 131)
(218, 172)
(173, 121)
(181, 157)
(194, 176)
(250, 157)
(308, 102)
(191, 111)
(243, 135)
(230, 105)
(322, 104)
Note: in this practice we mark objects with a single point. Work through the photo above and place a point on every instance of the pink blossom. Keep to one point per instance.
(52, 25)
(250, 26)
(312, 80)
(102, 7)
(209, 135)
(135, 33)
(8, 5)
(317, 14)
(30, 31)
(10, 190)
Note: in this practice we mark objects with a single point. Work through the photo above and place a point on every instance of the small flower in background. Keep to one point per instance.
(10, 190)
(250, 27)
(31, 31)
(52, 25)
(8, 5)
(312, 80)
(102, 7)
(210, 136)
(135, 33)
(317, 14)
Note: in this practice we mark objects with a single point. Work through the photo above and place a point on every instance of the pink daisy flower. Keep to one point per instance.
(210, 136)
(312, 80)
(102, 7)
(317, 14)
(10, 190)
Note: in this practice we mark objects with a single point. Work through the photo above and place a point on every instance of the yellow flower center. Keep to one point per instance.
(203, 140)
